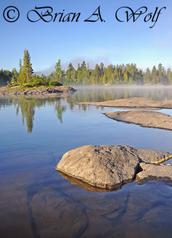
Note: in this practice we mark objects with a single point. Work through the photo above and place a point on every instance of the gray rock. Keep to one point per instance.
(48, 91)
(155, 171)
(136, 102)
(149, 119)
(106, 167)
(52, 209)
(153, 156)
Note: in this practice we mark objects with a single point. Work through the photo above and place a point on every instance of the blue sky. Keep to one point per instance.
(110, 42)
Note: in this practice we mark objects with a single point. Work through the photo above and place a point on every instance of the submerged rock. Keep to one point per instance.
(106, 167)
(51, 209)
(150, 171)
(143, 118)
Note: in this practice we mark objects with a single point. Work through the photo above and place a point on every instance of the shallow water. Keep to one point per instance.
(36, 201)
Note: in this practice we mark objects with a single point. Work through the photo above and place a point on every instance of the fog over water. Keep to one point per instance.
(102, 93)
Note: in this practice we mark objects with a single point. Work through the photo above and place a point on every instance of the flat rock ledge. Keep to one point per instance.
(151, 171)
(150, 119)
(37, 91)
(107, 167)
(135, 102)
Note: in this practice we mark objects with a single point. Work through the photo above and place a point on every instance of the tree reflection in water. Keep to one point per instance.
(60, 109)
(27, 108)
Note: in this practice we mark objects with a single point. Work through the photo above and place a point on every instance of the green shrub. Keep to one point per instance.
(54, 83)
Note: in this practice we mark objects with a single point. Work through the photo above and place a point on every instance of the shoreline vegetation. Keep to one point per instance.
(83, 74)
(39, 91)
(25, 82)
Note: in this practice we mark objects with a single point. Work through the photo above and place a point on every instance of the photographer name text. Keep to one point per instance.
(48, 14)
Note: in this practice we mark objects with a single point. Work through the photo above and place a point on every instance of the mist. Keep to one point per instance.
(104, 92)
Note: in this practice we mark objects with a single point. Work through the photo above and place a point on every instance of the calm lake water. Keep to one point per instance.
(36, 201)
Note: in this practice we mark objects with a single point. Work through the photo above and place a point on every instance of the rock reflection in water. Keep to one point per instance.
(86, 186)
(131, 212)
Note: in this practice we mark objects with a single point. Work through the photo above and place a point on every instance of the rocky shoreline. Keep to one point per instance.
(109, 167)
(59, 91)
(149, 119)
(136, 102)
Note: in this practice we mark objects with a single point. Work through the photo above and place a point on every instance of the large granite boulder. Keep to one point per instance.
(106, 167)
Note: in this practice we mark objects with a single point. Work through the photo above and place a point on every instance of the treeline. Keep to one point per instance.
(84, 75)
(117, 74)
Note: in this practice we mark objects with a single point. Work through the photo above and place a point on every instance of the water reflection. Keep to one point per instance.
(60, 109)
(38, 202)
(87, 186)
(27, 109)
(26, 106)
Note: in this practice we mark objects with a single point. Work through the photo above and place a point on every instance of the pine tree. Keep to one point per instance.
(95, 75)
(15, 75)
(70, 73)
(84, 73)
(26, 71)
(21, 75)
(154, 75)
(147, 76)
(27, 67)
(58, 71)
